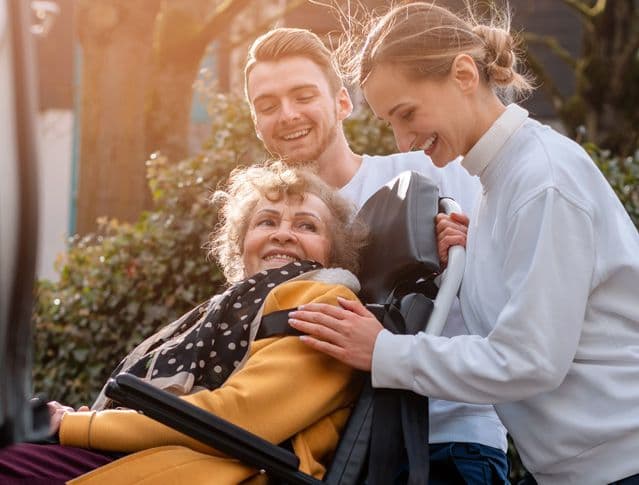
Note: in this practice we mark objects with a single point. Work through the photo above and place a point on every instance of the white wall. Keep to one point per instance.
(55, 130)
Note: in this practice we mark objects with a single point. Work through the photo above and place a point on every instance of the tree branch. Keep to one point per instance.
(585, 10)
(553, 44)
(291, 5)
(546, 82)
(221, 18)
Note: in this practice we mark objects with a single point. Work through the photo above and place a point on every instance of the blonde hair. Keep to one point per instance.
(422, 40)
(284, 42)
(277, 181)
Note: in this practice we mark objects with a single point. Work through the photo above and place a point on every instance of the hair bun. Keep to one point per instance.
(500, 55)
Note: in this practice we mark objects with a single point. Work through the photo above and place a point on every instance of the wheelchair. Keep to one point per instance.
(402, 286)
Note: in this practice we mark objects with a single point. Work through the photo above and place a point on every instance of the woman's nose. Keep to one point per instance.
(404, 141)
(283, 234)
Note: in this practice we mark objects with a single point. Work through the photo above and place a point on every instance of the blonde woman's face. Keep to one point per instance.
(285, 231)
(428, 115)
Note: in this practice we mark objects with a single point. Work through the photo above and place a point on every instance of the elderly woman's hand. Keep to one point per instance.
(57, 411)
(451, 231)
(347, 333)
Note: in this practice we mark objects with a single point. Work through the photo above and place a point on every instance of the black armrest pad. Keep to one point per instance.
(211, 430)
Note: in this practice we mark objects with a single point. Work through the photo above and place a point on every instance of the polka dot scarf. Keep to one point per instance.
(203, 347)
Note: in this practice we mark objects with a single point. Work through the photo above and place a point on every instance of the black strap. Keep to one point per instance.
(276, 323)
(386, 448)
(400, 418)
(414, 411)
(350, 459)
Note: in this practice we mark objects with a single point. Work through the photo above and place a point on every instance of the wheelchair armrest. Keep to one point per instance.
(209, 429)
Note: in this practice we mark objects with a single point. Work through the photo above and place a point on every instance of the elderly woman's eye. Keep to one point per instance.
(308, 226)
(268, 222)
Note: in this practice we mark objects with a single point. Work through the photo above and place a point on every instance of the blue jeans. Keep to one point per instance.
(467, 463)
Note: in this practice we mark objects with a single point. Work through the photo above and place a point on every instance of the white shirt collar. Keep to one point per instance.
(480, 155)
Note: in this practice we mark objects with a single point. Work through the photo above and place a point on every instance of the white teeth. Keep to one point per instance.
(427, 144)
(280, 256)
(296, 134)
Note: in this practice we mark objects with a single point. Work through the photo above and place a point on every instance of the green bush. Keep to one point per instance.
(120, 285)
(623, 175)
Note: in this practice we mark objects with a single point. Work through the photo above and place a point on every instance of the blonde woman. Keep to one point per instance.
(550, 287)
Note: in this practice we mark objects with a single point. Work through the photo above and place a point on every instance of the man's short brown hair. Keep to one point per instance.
(284, 42)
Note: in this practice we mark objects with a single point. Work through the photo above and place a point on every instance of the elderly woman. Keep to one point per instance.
(279, 226)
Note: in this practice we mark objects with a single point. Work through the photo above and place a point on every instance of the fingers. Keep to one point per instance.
(331, 310)
(55, 419)
(460, 218)
(55, 407)
(354, 306)
(350, 339)
(84, 408)
(451, 231)
(316, 325)
(326, 347)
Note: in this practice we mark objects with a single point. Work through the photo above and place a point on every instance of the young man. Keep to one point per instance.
(298, 102)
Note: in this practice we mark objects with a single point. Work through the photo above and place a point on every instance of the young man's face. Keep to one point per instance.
(297, 115)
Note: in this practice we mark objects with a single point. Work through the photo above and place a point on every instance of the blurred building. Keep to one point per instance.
(224, 61)
(55, 57)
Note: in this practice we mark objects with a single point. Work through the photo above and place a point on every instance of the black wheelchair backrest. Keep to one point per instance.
(401, 217)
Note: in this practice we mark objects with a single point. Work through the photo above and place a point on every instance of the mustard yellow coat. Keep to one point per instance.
(284, 390)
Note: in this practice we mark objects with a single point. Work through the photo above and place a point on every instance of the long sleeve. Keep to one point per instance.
(547, 271)
(283, 388)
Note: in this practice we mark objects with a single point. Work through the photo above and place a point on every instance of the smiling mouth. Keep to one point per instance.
(280, 257)
(429, 145)
(296, 134)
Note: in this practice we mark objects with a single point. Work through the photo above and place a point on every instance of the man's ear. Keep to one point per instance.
(344, 103)
(254, 119)
(465, 73)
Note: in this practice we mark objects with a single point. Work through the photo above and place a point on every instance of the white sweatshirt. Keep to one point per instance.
(449, 421)
(551, 290)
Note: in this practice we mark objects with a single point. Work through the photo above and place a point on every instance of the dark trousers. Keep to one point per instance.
(464, 464)
(44, 464)
(467, 463)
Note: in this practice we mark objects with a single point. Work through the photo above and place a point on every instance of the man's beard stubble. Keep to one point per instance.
(312, 159)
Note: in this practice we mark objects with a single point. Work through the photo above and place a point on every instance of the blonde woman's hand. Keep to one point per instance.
(347, 332)
(451, 230)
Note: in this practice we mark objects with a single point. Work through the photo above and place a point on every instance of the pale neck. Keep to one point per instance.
(338, 164)
(485, 112)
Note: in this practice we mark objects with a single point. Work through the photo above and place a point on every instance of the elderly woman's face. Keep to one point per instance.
(287, 230)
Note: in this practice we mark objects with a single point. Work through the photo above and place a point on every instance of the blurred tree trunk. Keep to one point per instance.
(183, 31)
(116, 40)
(139, 61)
(606, 74)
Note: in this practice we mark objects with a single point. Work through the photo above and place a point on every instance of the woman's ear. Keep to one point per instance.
(465, 73)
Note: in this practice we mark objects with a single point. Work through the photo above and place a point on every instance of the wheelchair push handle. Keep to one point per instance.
(451, 277)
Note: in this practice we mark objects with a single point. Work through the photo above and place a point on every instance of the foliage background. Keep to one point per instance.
(121, 284)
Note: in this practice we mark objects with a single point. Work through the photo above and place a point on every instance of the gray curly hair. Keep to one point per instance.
(276, 181)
